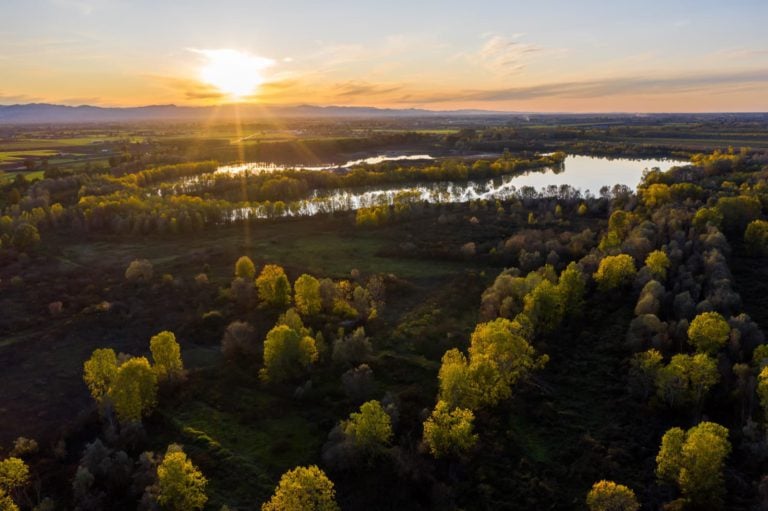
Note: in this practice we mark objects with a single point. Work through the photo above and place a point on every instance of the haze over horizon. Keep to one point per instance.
(555, 56)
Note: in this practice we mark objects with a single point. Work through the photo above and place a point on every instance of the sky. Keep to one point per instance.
(511, 55)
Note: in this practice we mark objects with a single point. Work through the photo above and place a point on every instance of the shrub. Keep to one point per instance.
(140, 270)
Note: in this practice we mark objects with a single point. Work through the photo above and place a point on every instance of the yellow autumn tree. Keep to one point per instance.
(166, 355)
(303, 489)
(99, 371)
(134, 390)
(181, 486)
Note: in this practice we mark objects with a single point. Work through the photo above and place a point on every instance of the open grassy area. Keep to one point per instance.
(6, 177)
(323, 247)
(316, 246)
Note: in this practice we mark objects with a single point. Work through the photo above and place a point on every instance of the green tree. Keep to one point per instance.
(707, 216)
(656, 194)
(303, 489)
(99, 371)
(544, 307)
(370, 429)
(454, 380)
(181, 486)
(134, 390)
(6, 502)
(292, 319)
(615, 271)
(658, 262)
(694, 461)
(738, 211)
(166, 354)
(307, 295)
(669, 460)
(571, 287)
(499, 356)
(760, 356)
(762, 390)
(609, 496)
(619, 225)
(643, 370)
(449, 431)
(756, 237)
(14, 474)
(245, 269)
(274, 287)
(287, 354)
(708, 332)
(25, 237)
(686, 379)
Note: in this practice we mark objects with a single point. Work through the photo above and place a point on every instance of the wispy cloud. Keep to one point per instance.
(190, 89)
(7, 99)
(630, 85)
(506, 55)
(361, 88)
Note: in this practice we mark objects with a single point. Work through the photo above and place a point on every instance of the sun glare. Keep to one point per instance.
(235, 73)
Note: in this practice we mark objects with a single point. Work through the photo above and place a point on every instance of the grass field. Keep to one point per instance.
(10, 176)
(64, 151)
(314, 245)
(323, 247)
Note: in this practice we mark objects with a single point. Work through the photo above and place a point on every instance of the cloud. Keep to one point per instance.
(506, 55)
(630, 85)
(359, 88)
(189, 88)
(8, 99)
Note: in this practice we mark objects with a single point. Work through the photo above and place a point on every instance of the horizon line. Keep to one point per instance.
(383, 108)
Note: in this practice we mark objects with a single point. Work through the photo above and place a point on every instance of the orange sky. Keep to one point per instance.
(552, 56)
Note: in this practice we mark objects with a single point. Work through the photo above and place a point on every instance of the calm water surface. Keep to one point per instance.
(583, 173)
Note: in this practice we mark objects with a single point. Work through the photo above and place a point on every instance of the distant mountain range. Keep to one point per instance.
(44, 113)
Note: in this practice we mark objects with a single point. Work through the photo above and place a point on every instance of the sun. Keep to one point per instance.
(234, 73)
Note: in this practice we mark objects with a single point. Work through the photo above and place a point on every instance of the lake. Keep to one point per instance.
(591, 173)
(259, 167)
(585, 174)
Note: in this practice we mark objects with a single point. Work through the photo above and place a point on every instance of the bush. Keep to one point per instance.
(140, 270)
(609, 496)
(756, 237)
(23, 446)
(240, 338)
(352, 349)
